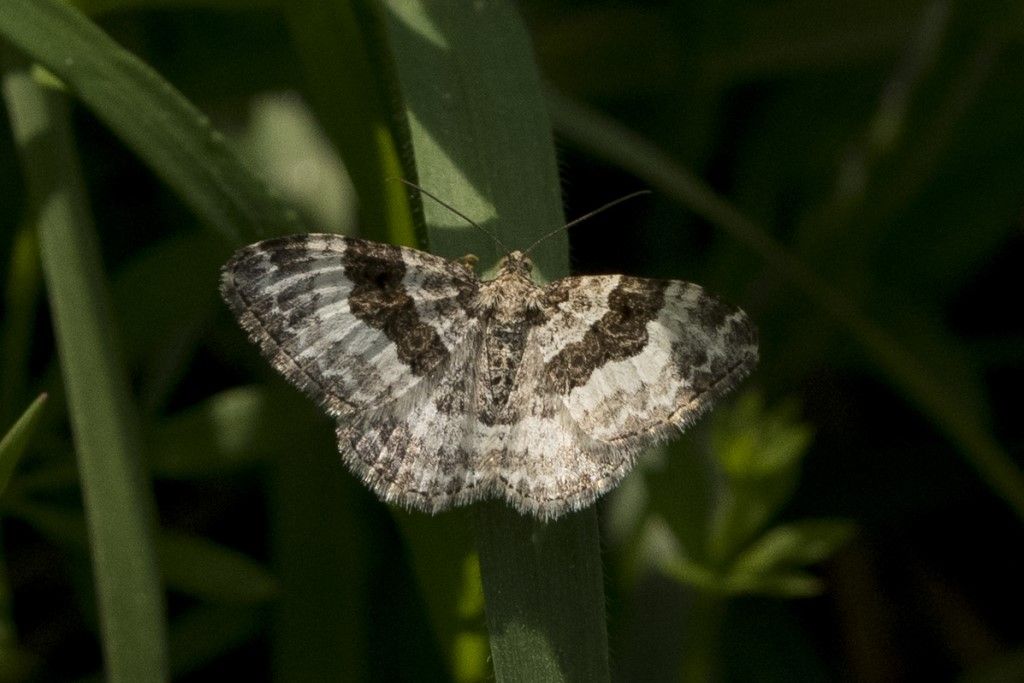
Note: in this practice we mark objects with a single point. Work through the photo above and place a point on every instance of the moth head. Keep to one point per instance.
(517, 262)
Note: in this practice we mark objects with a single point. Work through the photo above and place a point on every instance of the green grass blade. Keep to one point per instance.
(544, 595)
(16, 439)
(150, 116)
(204, 569)
(229, 431)
(481, 136)
(190, 565)
(345, 89)
(159, 341)
(323, 556)
(117, 498)
(482, 142)
(923, 385)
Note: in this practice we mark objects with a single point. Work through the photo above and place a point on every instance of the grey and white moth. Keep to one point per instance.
(448, 389)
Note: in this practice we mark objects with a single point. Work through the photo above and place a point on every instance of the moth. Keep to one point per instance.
(448, 389)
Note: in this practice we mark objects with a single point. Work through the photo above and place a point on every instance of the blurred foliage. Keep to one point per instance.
(810, 159)
(725, 546)
(16, 440)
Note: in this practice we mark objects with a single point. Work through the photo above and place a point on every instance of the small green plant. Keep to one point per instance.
(715, 533)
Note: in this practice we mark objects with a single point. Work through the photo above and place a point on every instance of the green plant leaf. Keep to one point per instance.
(750, 442)
(683, 489)
(696, 575)
(482, 142)
(203, 569)
(17, 438)
(161, 339)
(116, 494)
(793, 545)
(332, 39)
(474, 144)
(190, 565)
(290, 148)
(233, 429)
(759, 452)
(779, 584)
(713, 583)
(447, 571)
(150, 116)
(323, 548)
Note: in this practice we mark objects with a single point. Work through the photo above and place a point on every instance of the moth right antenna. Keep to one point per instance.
(586, 216)
(451, 208)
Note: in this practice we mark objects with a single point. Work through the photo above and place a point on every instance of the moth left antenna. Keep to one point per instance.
(587, 216)
(453, 210)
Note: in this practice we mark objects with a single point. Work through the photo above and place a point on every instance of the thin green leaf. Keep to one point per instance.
(779, 584)
(712, 582)
(683, 489)
(160, 340)
(204, 569)
(794, 545)
(331, 39)
(907, 370)
(290, 148)
(323, 555)
(16, 439)
(230, 430)
(152, 118)
(751, 442)
(448, 575)
(779, 39)
(759, 452)
(190, 565)
(695, 575)
(482, 142)
(14, 442)
(480, 133)
(116, 494)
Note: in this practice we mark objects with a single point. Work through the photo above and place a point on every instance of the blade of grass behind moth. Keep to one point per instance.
(347, 85)
(150, 116)
(440, 547)
(14, 442)
(322, 624)
(12, 446)
(482, 142)
(907, 370)
(345, 89)
(117, 498)
(190, 565)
